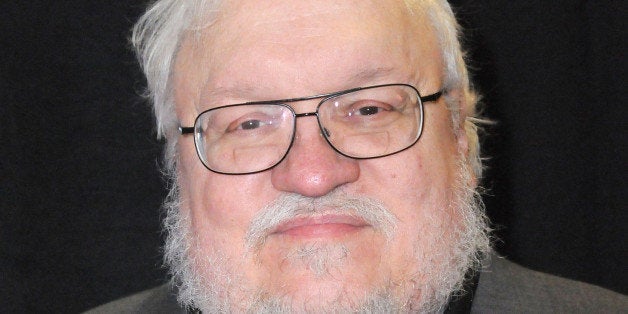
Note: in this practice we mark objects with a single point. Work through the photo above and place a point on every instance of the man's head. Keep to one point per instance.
(318, 231)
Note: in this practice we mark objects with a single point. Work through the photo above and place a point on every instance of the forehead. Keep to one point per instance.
(281, 49)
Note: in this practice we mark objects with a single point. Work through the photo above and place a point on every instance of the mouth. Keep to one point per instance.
(329, 225)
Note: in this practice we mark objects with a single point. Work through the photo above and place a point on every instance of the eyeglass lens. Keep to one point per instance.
(366, 123)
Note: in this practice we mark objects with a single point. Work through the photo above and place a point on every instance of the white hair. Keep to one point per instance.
(157, 37)
(206, 279)
(158, 34)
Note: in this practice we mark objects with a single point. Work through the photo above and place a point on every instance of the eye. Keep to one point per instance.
(248, 125)
(370, 108)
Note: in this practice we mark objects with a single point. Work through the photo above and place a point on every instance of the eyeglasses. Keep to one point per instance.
(360, 123)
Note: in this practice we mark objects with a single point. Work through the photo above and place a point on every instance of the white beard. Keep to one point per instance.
(209, 283)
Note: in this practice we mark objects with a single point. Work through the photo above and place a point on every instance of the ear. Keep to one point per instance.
(465, 130)
(457, 105)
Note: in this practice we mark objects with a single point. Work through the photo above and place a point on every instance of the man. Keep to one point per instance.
(324, 158)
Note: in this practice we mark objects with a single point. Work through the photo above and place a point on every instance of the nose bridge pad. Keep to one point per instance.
(307, 114)
(326, 132)
(323, 132)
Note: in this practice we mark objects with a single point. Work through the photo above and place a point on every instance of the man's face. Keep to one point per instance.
(331, 253)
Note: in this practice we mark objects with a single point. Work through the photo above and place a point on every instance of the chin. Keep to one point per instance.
(412, 268)
(317, 273)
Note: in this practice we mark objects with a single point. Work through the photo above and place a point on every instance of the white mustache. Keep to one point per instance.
(289, 206)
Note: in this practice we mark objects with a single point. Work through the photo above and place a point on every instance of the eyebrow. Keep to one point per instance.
(361, 78)
(370, 74)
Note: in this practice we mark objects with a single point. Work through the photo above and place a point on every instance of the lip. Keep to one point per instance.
(330, 225)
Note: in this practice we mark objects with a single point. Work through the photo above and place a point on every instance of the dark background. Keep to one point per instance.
(80, 187)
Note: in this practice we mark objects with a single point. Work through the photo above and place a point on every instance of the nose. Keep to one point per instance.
(312, 167)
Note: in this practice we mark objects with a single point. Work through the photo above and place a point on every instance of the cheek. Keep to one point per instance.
(421, 177)
(220, 206)
(418, 186)
(422, 196)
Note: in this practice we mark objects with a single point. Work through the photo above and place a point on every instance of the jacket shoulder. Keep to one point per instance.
(156, 300)
(507, 287)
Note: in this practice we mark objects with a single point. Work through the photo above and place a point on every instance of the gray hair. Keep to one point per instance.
(158, 34)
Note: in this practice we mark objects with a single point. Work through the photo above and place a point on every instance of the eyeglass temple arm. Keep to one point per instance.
(186, 130)
(433, 97)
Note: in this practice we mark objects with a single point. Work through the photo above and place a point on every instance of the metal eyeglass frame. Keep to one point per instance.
(422, 99)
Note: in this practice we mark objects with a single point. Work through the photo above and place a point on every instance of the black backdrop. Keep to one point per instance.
(80, 187)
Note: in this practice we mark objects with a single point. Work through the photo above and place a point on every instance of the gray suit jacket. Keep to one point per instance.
(504, 287)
